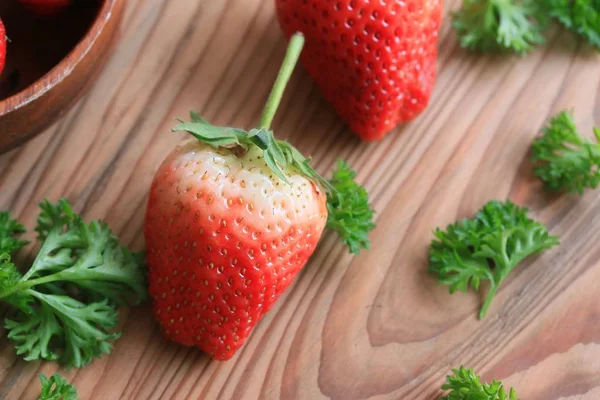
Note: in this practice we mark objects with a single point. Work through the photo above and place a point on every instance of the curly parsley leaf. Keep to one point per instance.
(84, 330)
(56, 388)
(87, 255)
(500, 25)
(465, 385)
(32, 333)
(9, 277)
(486, 248)
(563, 159)
(10, 230)
(579, 16)
(349, 211)
(67, 302)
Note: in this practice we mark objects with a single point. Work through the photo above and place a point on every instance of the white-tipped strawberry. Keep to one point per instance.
(233, 215)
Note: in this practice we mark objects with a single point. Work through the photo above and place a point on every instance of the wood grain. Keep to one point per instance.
(374, 326)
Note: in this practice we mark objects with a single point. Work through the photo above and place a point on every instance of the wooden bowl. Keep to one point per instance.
(50, 61)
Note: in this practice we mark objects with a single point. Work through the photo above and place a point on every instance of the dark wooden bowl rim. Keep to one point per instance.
(64, 67)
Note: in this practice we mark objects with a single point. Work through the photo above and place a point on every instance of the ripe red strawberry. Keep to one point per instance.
(232, 217)
(2, 46)
(374, 61)
(46, 7)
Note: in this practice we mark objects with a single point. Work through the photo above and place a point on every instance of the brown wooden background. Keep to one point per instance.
(375, 326)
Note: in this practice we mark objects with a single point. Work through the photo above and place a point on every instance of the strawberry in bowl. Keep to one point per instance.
(232, 217)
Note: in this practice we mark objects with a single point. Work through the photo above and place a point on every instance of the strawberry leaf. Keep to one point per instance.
(274, 166)
(214, 136)
(195, 117)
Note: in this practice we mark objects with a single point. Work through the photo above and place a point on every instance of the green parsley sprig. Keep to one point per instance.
(579, 16)
(464, 384)
(486, 248)
(519, 25)
(10, 230)
(349, 211)
(65, 307)
(563, 159)
(57, 388)
(500, 25)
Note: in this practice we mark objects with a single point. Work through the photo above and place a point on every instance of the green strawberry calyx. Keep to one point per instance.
(278, 154)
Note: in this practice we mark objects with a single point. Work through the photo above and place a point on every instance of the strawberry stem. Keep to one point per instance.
(289, 63)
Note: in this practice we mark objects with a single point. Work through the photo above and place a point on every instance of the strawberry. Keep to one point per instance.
(374, 61)
(232, 217)
(46, 7)
(2, 46)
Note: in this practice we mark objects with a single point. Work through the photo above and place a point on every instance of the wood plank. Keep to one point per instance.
(374, 326)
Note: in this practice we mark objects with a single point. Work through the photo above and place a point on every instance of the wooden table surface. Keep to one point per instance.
(374, 326)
